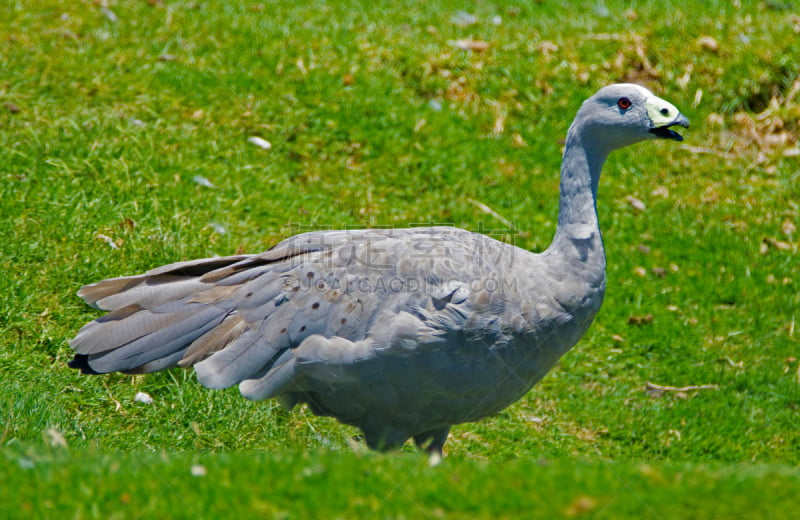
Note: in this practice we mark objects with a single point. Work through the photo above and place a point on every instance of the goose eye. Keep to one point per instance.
(624, 103)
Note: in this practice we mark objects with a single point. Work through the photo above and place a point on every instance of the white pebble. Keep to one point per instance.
(261, 143)
(142, 397)
(202, 181)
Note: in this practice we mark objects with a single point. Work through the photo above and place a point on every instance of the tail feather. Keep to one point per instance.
(116, 329)
(173, 335)
(210, 314)
(154, 318)
(148, 289)
(159, 364)
(149, 293)
(81, 362)
(241, 359)
(231, 328)
(199, 267)
(95, 292)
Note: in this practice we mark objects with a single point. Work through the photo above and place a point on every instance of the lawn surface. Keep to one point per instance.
(125, 143)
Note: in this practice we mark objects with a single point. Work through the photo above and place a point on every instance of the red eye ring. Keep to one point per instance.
(624, 103)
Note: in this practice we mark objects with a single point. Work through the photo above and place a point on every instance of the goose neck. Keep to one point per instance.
(580, 174)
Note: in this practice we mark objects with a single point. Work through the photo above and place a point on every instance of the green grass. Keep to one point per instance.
(326, 485)
(376, 119)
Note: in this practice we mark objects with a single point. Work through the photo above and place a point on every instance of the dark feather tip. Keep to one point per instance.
(81, 362)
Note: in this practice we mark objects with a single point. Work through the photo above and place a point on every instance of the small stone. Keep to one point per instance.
(708, 43)
(635, 203)
(202, 181)
(142, 397)
(261, 143)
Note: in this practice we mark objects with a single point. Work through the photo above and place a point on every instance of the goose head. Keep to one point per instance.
(622, 114)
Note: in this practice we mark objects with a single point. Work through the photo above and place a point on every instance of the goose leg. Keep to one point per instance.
(432, 441)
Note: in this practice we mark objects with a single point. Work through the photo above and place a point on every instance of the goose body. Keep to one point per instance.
(400, 332)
